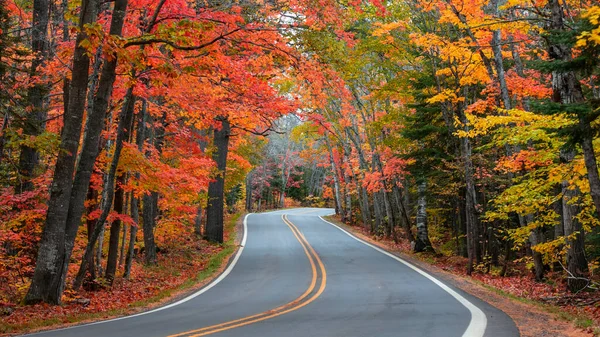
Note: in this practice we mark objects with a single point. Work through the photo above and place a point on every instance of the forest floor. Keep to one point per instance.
(181, 270)
(538, 309)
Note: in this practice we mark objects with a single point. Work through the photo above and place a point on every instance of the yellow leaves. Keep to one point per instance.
(591, 38)
(482, 125)
(516, 127)
(447, 95)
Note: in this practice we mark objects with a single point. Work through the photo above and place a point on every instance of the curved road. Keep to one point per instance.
(297, 275)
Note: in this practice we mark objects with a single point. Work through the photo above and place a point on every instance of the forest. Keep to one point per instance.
(133, 130)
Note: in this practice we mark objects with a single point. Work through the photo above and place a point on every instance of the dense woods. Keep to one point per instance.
(465, 128)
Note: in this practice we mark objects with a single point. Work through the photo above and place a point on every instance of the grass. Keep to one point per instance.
(212, 266)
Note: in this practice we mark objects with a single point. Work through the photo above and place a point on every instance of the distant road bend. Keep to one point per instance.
(297, 275)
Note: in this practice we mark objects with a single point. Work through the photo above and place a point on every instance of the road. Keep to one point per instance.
(297, 275)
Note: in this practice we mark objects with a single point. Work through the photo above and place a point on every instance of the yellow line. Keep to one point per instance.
(295, 304)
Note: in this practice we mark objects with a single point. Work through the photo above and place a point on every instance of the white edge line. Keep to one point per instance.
(478, 322)
(183, 300)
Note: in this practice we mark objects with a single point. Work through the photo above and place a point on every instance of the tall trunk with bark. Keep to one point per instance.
(34, 122)
(134, 209)
(422, 242)
(108, 190)
(336, 181)
(93, 130)
(348, 216)
(378, 214)
(48, 283)
(472, 226)
(249, 203)
(577, 265)
(566, 90)
(128, 196)
(216, 188)
(91, 198)
(149, 214)
(115, 231)
(398, 198)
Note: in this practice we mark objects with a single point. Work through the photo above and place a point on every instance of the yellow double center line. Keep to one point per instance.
(316, 288)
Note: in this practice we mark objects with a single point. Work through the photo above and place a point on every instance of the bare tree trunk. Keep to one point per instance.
(115, 232)
(216, 188)
(498, 61)
(472, 226)
(336, 182)
(422, 242)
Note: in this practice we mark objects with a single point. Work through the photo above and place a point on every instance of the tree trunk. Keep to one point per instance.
(34, 121)
(535, 238)
(125, 117)
(336, 182)
(93, 130)
(91, 198)
(422, 242)
(377, 226)
(403, 213)
(577, 265)
(498, 61)
(566, 89)
(132, 234)
(216, 188)
(124, 236)
(591, 165)
(472, 227)
(249, 191)
(115, 233)
(47, 284)
(349, 217)
(135, 213)
(198, 221)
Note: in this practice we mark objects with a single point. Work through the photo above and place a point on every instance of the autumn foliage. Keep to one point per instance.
(456, 127)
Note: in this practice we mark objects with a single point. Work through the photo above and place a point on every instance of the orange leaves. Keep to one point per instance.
(373, 181)
(532, 85)
(396, 167)
(524, 161)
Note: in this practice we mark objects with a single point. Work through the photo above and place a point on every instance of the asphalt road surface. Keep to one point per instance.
(297, 275)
